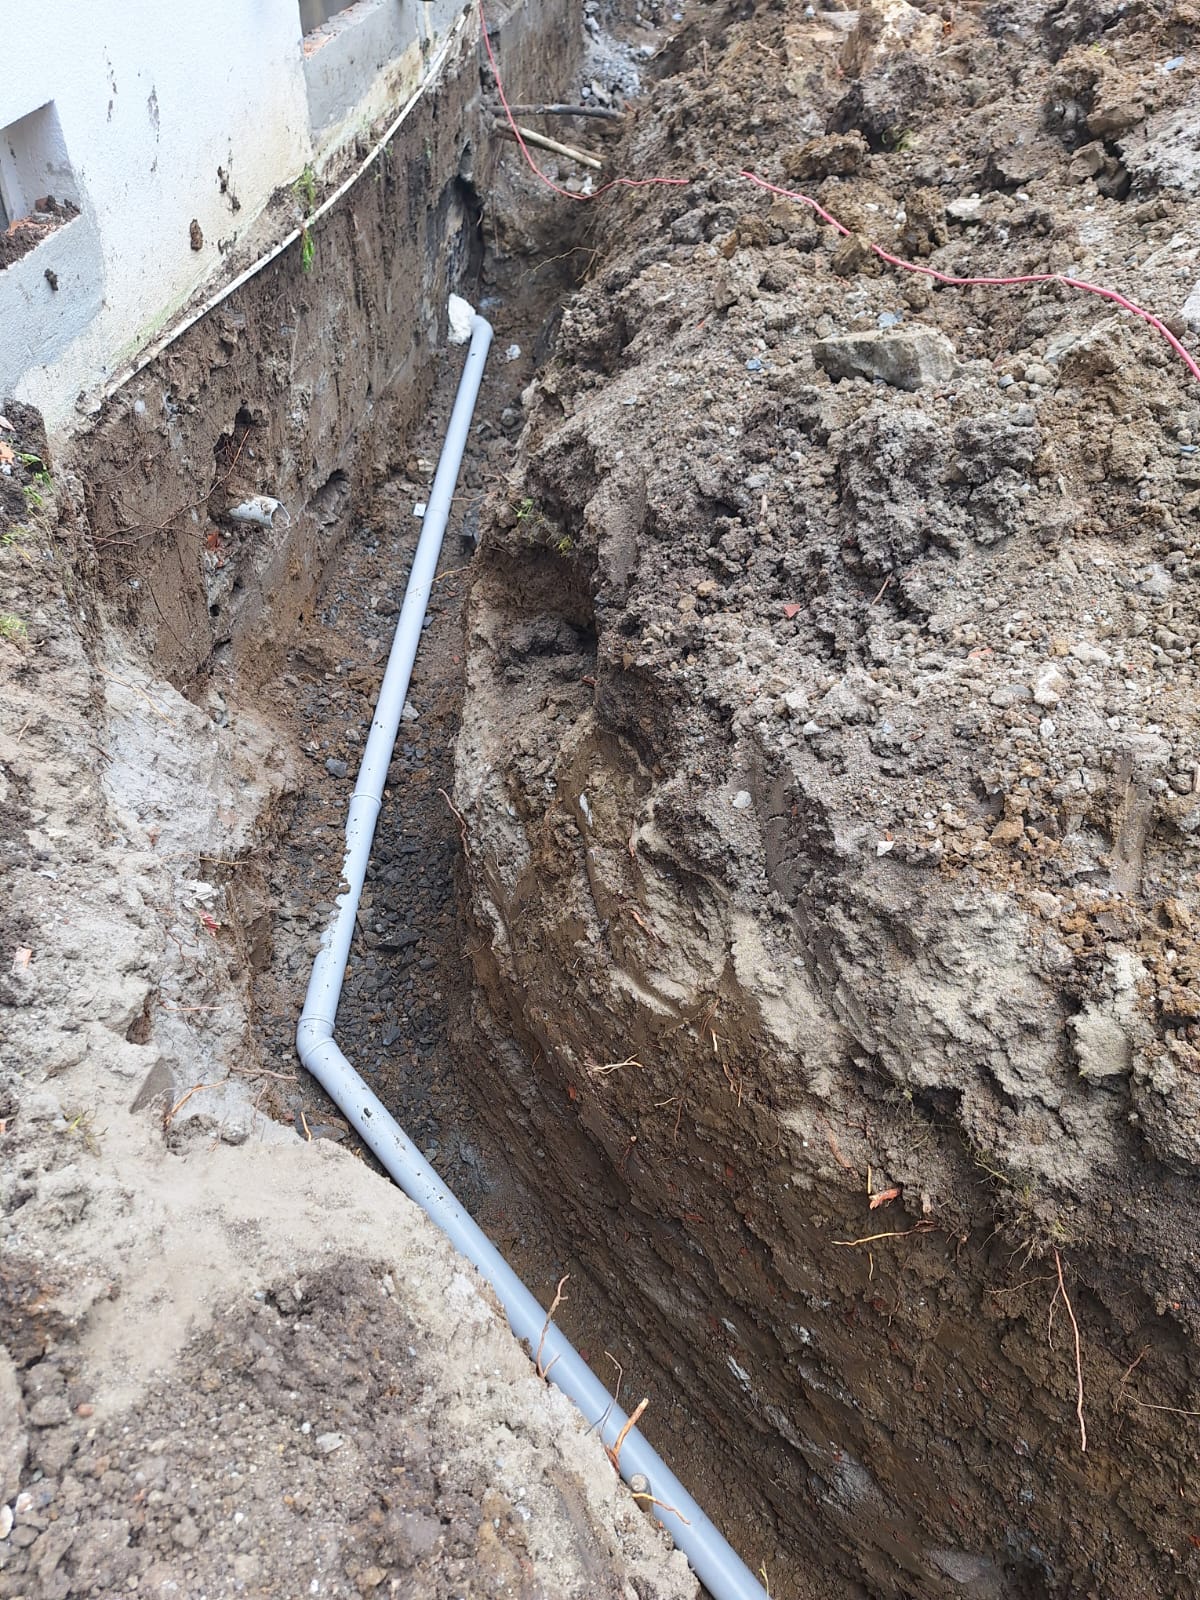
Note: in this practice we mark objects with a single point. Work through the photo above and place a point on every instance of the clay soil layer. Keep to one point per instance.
(829, 773)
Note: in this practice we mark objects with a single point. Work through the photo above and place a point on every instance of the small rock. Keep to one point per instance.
(1048, 687)
(906, 358)
(185, 1533)
(1009, 831)
(51, 1411)
(887, 29)
(742, 800)
(1008, 695)
(1156, 583)
(336, 768)
(327, 1443)
(965, 209)
(1091, 654)
(1035, 372)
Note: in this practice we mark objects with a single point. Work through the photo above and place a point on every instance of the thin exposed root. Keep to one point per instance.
(1127, 1374)
(458, 816)
(613, 1066)
(1062, 1289)
(134, 689)
(851, 1244)
(170, 1114)
(644, 1494)
(559, 1297)
(614, 1455)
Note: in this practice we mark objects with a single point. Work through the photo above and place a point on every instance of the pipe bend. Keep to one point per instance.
(311, 1034)
(712, 1559)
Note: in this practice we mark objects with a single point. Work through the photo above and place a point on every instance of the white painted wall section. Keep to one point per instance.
(165, 115)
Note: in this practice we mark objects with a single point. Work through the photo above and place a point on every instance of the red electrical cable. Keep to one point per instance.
(947, 278)
(966, 283)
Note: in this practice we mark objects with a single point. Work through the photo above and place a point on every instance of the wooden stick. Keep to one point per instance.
(540, 141)
(567, 111)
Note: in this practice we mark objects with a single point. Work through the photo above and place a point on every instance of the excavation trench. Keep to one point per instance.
(745, 940)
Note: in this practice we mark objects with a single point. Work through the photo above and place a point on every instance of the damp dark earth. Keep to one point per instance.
(781, 926)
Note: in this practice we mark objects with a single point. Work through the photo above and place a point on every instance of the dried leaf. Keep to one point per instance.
(21, 958)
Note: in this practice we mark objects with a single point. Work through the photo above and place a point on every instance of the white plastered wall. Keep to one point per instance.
(169, 114)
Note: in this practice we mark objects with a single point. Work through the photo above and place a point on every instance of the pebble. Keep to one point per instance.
(1007, 380)
(1037, 373)
(336, 768)
(327, 1443)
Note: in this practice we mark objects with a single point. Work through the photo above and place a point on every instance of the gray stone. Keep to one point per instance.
(906, 358)
(1102, 1049)
(14, 1440)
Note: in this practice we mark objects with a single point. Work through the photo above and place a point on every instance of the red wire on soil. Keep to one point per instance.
(966, 283)
(947, 278)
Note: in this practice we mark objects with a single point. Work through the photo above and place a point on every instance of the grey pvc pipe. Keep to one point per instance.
(711, 1557)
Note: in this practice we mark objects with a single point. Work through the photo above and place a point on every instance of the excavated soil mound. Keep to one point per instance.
(831, 785)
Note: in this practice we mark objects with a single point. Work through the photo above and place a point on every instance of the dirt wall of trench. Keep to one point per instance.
(827, 771)
(303, 385)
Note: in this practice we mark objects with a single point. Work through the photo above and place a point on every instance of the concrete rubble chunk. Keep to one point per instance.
(906, 358)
